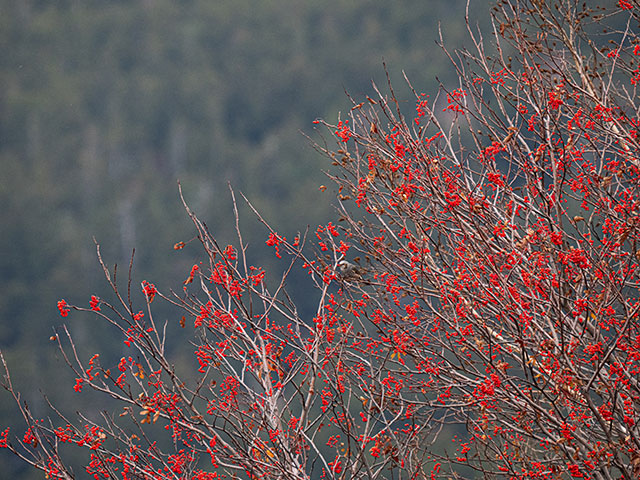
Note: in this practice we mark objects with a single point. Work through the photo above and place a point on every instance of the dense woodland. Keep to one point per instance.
(104, 106)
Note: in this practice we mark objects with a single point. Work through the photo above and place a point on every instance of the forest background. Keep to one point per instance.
(104, 106)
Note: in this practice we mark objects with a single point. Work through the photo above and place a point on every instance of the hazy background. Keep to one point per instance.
(105, 105)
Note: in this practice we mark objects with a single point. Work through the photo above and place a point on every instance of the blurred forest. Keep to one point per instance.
(105, 105)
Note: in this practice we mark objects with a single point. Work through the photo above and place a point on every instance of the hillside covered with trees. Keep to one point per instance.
(104, 106)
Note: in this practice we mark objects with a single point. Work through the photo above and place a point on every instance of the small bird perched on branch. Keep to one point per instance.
(348, 271)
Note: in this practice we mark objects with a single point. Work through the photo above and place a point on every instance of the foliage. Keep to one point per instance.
(105, 105)
(492, 283)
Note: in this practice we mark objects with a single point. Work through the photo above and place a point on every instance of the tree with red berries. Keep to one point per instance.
(482, 278)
